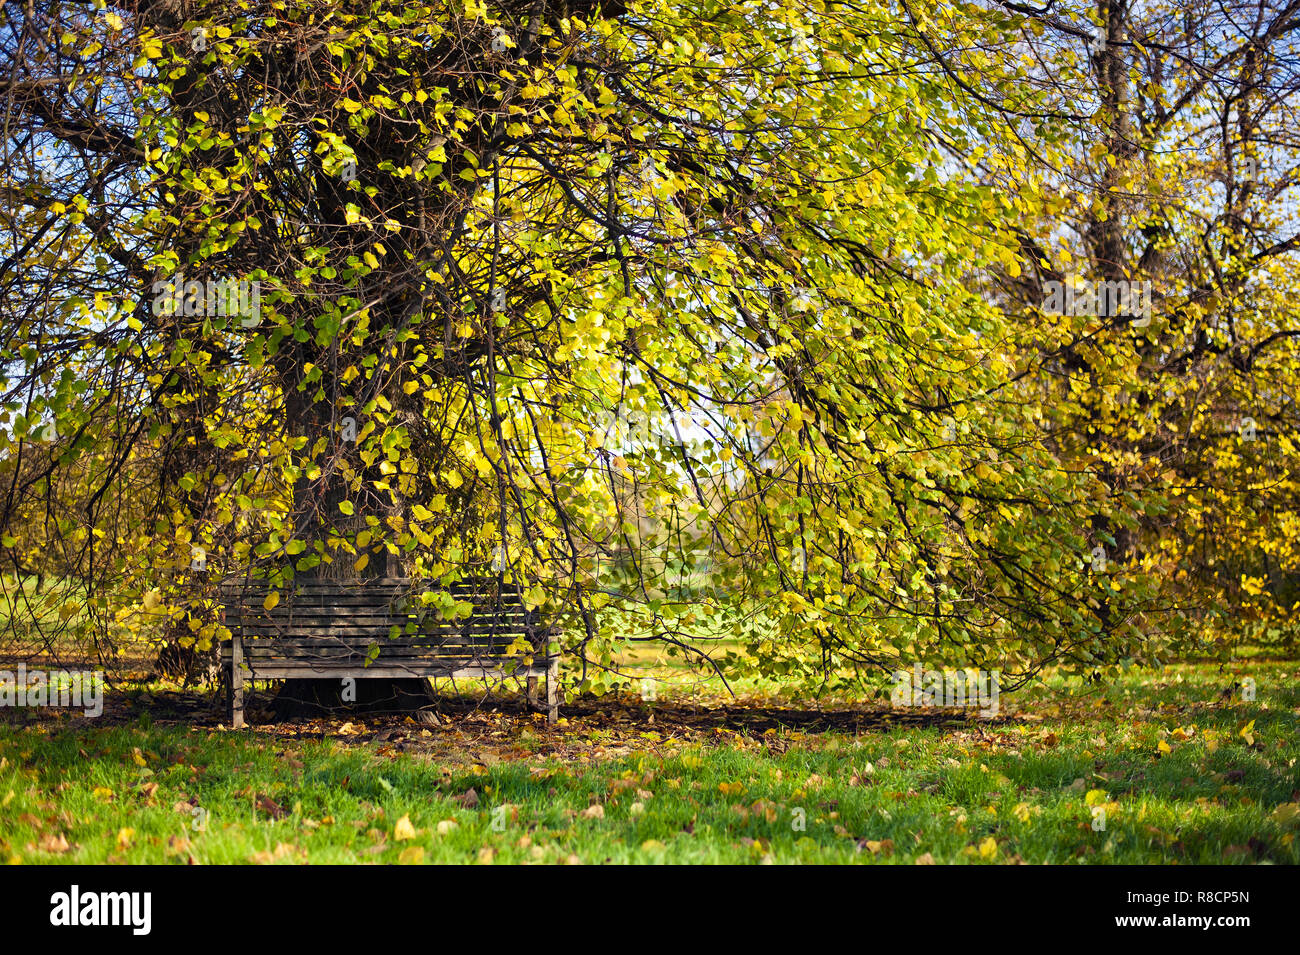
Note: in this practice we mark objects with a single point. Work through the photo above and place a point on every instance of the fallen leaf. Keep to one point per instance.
(411, 855)
(269, 806)
(1287, 814)
(404, 830)
(54, 843)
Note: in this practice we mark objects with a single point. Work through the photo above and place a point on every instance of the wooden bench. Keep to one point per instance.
(380, 628)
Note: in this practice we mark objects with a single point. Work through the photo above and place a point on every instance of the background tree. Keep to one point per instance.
(1164, 150)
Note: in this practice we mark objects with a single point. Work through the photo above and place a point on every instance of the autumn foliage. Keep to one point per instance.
(374, 288)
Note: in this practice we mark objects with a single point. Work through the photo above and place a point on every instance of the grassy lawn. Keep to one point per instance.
(1184, 770)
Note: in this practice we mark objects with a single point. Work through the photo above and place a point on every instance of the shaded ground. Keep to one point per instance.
(500, 718)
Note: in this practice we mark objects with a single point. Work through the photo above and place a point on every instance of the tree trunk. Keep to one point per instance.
(186, 663)
(316, 506)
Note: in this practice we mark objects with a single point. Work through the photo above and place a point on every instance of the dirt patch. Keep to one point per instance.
(467, 730)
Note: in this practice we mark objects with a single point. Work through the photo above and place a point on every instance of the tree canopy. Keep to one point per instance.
(690, 315)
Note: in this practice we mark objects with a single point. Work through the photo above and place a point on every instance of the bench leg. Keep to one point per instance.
(553, 691)
(531, 693)
(237, 683)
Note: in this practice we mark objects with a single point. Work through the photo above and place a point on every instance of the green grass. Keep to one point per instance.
(1021, 788)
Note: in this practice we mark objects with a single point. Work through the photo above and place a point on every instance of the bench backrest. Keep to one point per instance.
(355, 614)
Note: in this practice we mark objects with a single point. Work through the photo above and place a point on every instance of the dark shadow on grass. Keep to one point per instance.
(487, 715)
(465, 712)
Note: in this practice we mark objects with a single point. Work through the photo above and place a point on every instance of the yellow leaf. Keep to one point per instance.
(271, 600)
(1287, 814)
(404, 830)
(411, 855)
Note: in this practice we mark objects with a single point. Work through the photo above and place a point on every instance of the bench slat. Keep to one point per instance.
(274, 649)
(360, 655)
(293, 650)
(448, 669)
(354, 642)
(364, 644)
(402, 606)
(399, 628)
(368, 614)
(376, 586)
(252, 613)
